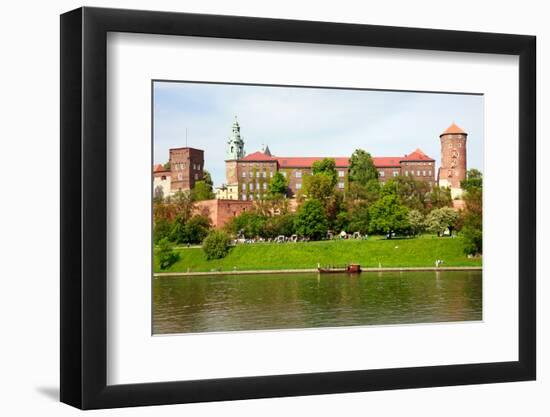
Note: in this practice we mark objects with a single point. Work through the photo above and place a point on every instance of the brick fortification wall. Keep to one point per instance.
(221, 211)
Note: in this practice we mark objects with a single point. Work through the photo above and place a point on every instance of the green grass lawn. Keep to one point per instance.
(418, 252)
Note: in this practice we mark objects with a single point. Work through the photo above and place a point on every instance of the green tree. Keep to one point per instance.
(441, 219)
(319, 187)
(472, 228)
(249, 223)
(207, 178)
(158, 194)
(278, 186)
(165, 254)
(161, 229)
(333, 206)
(359, 218)
(167, 166)
(388, 215)
(412, 193)
(416, 222)
(369, 192)
(182, 202)
(177, 232)
(196, 228)
(474, 179)
(326, 166)
(440, 197)
(342, 221)
(202, 191)
(362, 168)
(278, 225)
(216, 245)
(311, 220)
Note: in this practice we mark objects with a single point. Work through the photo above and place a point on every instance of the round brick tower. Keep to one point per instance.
(453, 158)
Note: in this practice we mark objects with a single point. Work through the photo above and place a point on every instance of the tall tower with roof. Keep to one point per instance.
(235, 144)
(453, 159)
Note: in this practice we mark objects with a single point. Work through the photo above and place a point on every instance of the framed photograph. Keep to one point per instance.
(258, 208)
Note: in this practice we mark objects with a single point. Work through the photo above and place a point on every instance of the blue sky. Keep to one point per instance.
(309, 121)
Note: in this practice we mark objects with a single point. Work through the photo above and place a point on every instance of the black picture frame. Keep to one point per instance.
(84, 207)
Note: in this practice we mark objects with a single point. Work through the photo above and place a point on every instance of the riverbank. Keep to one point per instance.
(297, 271)
(375, 254)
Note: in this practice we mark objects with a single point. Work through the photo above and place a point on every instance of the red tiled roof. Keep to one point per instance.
(417, 155)
(307, 162)
(386, 161)
(159, 168)
(341, 162)
(453, 129)
(258, 157)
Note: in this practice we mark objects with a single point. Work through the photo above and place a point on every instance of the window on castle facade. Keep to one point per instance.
(298, 186)
(270, 174)
(244, 174)
(196, 176)
(298, 174)
(382, 173)
(244, 187)
(264, 174)
(418, 173)
(341, 185)
(243, 196)
(424, 173)
(406, 173)
(341, 174)
(251, 186)
(429, 173)
(265, 185)
(395, 173)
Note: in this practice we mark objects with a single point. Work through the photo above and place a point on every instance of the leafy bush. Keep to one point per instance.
(216, 245)
(165, 254)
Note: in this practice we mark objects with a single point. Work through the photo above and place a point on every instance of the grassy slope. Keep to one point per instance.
(389, 253)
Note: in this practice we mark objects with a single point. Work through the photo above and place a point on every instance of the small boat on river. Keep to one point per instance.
(332, 269)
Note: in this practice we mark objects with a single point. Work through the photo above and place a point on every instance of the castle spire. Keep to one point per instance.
(235, 144)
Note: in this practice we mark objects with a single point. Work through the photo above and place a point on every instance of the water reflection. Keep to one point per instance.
(290, 301)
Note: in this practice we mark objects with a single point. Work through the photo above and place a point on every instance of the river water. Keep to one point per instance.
(307, 300)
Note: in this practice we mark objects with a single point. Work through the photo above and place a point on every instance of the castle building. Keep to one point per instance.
(453, 159)
(186, 167)
(161, 182)
(248, 176)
